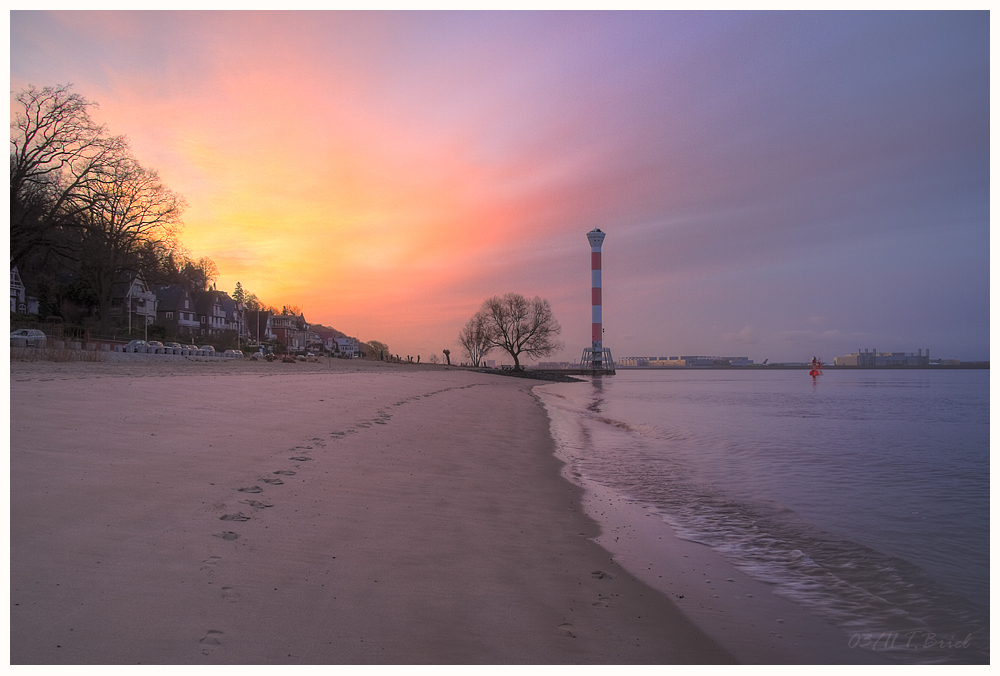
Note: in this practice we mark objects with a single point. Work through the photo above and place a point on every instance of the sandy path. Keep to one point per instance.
(429, 524)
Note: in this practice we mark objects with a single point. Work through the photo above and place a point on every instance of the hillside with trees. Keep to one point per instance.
(94, 232)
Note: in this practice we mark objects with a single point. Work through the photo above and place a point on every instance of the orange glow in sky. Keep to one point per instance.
(387, 171)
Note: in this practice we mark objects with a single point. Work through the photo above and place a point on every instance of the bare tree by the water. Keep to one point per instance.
(514, 324)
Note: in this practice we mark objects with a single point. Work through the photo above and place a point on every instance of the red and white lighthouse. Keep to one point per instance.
(596, 238)
(596, 356)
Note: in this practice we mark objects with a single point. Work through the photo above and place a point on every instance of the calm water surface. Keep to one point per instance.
(864, 496)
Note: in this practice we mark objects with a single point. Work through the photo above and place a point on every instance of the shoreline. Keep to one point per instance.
(416, 518)
(742, 614)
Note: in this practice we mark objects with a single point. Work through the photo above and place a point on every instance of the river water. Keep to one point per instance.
(863, 495)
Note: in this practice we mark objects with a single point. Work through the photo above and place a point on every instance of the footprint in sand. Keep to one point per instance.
(299, 458)
(209, 563)
(602, 602)
(274, 481)
(600, 575)
(226, 535)
(250, 489)
(566, 629)
(258, 504)
(286, 472)
(238, 516)
(211, 638)
(230, 594)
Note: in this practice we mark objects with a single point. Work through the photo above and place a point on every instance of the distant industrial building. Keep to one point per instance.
(869, 358)
(682, 361)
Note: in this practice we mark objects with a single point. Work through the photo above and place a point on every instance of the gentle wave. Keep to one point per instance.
(865, 592)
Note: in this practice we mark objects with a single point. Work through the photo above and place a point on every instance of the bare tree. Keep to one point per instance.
(475, 338)
(521, 326)
(447, 355)
(209, 270)
(252, 302)
(199, 275)
(57, 155)
(127, 208)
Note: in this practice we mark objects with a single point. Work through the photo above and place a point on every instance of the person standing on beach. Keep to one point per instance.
(817, 368)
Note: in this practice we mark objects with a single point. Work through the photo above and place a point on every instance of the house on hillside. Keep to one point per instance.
(175, 310)
(211, 313)
(290, 331)
(314, 342)
(21, 301)
(328, 337)
(133, 301)
(257, 325)
(234, 315)
(348, 348)
(17, 301)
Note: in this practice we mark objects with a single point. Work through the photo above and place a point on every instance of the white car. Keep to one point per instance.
(27, 338)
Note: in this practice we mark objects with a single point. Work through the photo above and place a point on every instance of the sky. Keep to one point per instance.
(773, 185)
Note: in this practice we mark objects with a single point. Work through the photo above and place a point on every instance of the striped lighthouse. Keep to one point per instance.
(596, 356)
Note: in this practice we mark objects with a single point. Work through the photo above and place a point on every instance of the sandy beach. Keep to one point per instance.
(190, 512)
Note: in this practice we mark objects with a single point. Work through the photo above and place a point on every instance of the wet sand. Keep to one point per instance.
(329, 513)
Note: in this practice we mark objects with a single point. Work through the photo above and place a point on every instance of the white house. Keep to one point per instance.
(347, 347)
(134, 296)
(17, 303)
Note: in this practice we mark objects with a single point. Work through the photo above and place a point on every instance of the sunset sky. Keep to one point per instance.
(772, 185)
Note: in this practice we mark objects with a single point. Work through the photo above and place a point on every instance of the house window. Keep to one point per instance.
(185, 305)
(170, 315)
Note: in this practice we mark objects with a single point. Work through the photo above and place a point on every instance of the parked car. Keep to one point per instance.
(233, 354)
(171, 348)
(191, 350)
(207, 350)
(154, 347)
(136, 346)
(27, 338)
